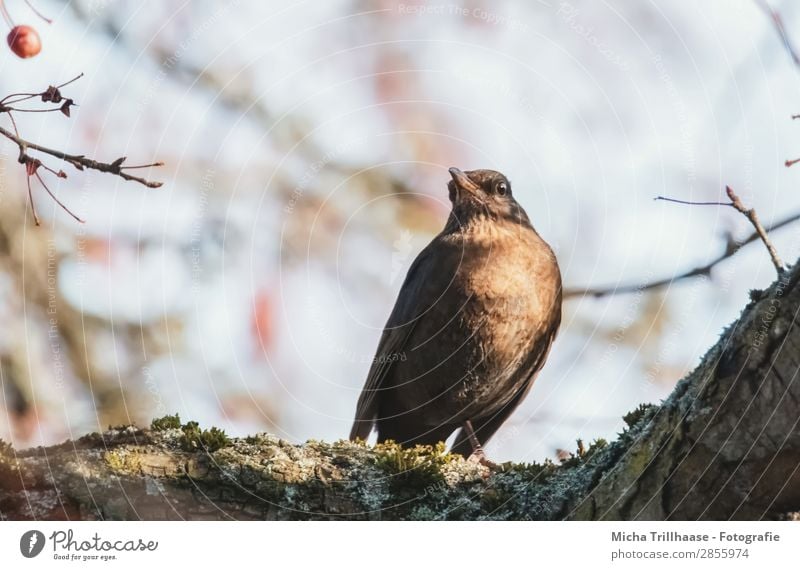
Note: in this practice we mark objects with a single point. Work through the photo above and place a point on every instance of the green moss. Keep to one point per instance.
(165, 423)
(583, 454)
(632, 418)
(414, 468)
(5, 447)
(596, 446)
(538, 472)
(194, 438)
(638, 460)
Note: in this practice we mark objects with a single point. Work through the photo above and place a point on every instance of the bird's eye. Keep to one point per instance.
(501, 188)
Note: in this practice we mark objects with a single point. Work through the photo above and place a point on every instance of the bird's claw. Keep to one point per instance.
(479, 456)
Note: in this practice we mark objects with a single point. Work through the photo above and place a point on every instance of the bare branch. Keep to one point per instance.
(30, 199)
(6, 15)
(53, 196)
(38, 13)
(777, 22)
(731, 249)
(79, 161)
(52, 95)
(750, 213)
(46, 95)
(690, 203)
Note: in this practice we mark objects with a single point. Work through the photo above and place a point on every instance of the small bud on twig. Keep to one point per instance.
(33, 165)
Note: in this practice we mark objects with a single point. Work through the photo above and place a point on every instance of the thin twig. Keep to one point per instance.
(52, 95)
(30, 198)
(6, 15)
(731, 249)
(37, 12)
(78, 160)
(18, 110)
(53, 196)
(73, 80)
(152, 164)
(13, 123)
(665, 199)
(25, 96)
(777, 22)
(751, 215)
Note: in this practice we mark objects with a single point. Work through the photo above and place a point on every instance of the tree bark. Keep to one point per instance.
(724, 445)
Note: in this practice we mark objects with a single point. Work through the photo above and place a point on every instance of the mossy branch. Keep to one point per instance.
(724, 445)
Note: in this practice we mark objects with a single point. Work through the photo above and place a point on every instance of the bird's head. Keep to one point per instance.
(482, 192)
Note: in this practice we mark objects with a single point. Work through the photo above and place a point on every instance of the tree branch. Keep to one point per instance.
(733, 419)
(731, 249)
(777, 22)
(80, 162)
(749, 213)
(52, 95)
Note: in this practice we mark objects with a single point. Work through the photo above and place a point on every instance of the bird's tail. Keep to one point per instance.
(361, 429)
(461, 444)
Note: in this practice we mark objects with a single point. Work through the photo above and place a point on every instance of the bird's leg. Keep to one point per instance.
(478, 454)
(473, 440)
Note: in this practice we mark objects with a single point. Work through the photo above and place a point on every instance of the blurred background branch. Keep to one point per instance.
(777, 21)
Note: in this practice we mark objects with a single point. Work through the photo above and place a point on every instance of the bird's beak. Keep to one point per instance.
(463, 182)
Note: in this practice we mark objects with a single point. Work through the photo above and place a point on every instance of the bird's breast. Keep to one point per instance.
(511, 296)
(511, 273)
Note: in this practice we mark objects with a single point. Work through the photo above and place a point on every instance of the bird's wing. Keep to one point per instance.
(486, 427)
(405, 315)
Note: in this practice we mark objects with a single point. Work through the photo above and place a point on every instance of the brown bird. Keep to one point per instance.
(471, 328)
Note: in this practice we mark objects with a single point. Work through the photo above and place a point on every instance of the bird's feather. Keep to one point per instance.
(486, 427)
(394, 340)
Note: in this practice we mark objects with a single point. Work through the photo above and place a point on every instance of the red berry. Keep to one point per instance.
(24, 41)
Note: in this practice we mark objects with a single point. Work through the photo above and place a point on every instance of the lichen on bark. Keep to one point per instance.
(724, 445)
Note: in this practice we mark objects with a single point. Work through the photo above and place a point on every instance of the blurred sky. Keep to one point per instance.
(307, 147)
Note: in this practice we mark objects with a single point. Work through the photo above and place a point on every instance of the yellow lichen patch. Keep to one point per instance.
(143, 461)
(122, 460)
